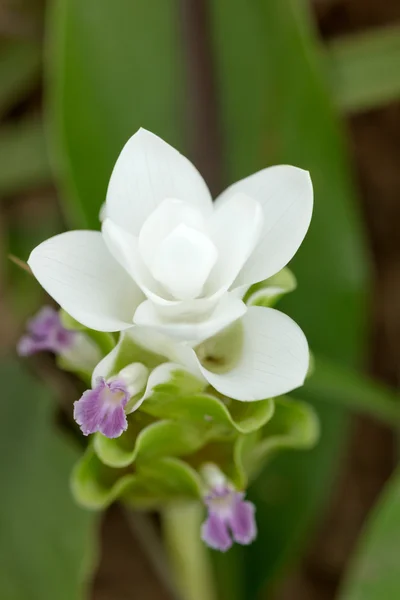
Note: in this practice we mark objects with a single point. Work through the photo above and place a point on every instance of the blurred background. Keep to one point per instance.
(236, 85)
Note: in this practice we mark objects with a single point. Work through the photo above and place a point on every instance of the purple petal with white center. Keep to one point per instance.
(214, 532)
(45, 333)
(229, 516)
(102, 408)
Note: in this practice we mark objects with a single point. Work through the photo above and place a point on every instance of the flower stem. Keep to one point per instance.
(188, 556)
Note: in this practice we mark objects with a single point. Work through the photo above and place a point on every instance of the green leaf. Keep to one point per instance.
(365, 68)
(19, 71)
(276, 108)
(23, 157)
(96, 486)
(113, 67)
(47, 543)
(270, 291)
(374, 570)
(346, 387)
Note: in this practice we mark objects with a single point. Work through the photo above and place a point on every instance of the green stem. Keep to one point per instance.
(187, 553)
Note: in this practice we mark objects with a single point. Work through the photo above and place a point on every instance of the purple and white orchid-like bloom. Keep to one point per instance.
(167, 257)
(46, 333)
(103, 407)
(230, 518)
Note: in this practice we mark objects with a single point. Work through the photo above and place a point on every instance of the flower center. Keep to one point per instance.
(183, 262)
(220, 353)
(112, 397)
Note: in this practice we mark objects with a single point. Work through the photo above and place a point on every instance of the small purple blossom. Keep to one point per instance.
(45, 333)
(230, 518)
(102, 408)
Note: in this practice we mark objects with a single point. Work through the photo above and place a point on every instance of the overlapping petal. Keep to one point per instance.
(285, 194)
(235, 228)
(78, 271)
(226, 311)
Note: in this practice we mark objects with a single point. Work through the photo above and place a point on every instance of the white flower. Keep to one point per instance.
(167, 257)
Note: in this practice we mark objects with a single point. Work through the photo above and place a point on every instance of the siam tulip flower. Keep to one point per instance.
(167, 257)
(230, 518)
(45, 332)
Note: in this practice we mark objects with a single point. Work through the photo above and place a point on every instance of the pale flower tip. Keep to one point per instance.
(101, 409)
(230, 518)
(45, 332)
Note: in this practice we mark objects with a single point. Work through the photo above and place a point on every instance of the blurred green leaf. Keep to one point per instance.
(47, 545)
(374, 570)
(20, 63)
(365, 68)
(346, 387)
(276, 109)
(23, 157)
(113, 67)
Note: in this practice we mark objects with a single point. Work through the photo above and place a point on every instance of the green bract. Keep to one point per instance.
(105, 341)
(96, 486)
(142, 466)
(183, 424)
(268, 292)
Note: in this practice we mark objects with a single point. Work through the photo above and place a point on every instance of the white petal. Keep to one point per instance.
(124, 248)
(274, 358)
(235, 228)
(286, 196)
(227, 310)
(183, 262)
(106, 366)
(161, 344)
(103, 212)
(78, 271)
(135, 377)
(166, 217)
(148, 171)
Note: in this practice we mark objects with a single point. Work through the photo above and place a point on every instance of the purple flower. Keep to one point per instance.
(230, 518)
(45, 332)
(102, 408)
